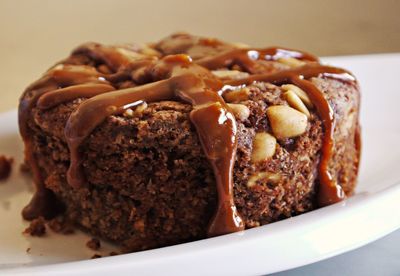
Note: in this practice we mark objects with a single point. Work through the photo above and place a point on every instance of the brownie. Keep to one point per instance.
(148, 179)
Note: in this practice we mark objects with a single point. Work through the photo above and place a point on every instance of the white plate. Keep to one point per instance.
(365, 217)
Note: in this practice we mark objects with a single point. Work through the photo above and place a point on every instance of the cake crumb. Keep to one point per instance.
(37, 228)
(5, 166)
(61, 225)
(28, 250)
(96, 256)
(94, 244)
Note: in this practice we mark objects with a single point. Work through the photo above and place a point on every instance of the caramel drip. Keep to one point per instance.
(247, 58)
(55, 97)
(67, 75)
(175, 77)
(329, 191)
(44, 202)
(304, 72)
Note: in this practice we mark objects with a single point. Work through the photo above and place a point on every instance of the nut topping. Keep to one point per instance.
(240, 111)
(266, 177)
(136, 111)
(236, 96)
(241, 45)
(300, 93)
(295, 102)
(230, 74)
(292, 62)
(148, 51)
(264, 146)
(286, 122)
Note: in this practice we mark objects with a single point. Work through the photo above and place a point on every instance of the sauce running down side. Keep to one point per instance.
(173, 77)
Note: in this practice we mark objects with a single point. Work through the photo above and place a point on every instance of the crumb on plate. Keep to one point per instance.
(5, 166)
(93, 244)
(37, 228)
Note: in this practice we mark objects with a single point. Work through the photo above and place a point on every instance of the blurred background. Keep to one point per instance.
(36, 34)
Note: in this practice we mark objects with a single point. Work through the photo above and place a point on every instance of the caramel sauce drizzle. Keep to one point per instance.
(44, 202)
(247, 58)
(174, 77)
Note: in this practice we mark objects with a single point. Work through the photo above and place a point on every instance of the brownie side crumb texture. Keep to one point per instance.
(36, 228)
(5, 167)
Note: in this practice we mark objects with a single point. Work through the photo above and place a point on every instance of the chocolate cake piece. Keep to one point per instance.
(148, 146)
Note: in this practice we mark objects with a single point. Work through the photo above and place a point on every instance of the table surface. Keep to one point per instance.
(35, 34)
